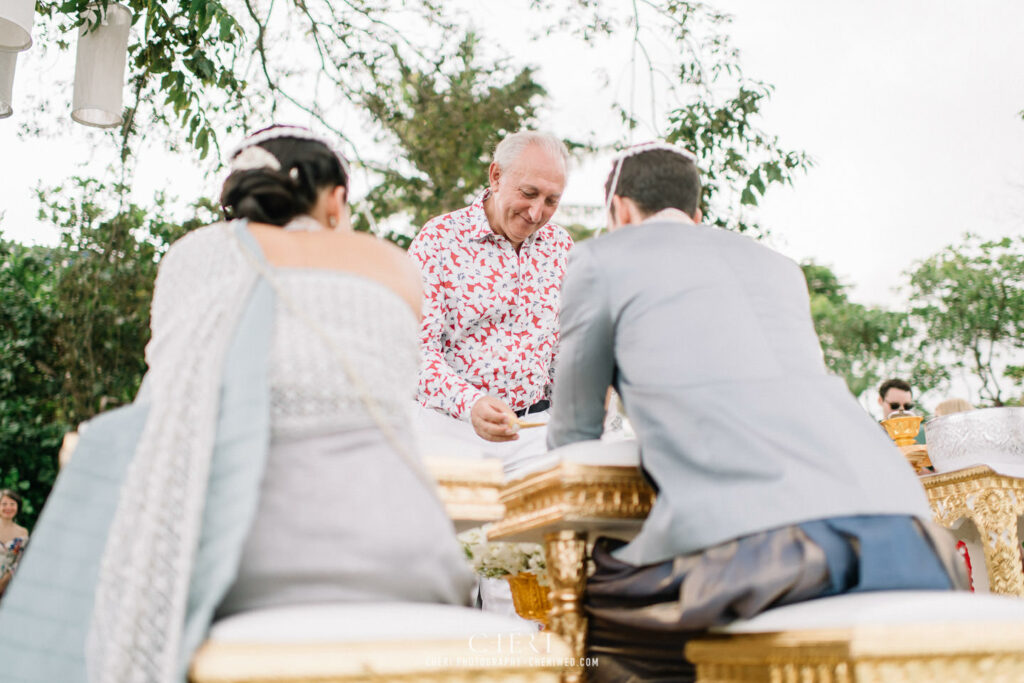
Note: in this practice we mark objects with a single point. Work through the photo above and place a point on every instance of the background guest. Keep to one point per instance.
(952, 405)
(13, 536)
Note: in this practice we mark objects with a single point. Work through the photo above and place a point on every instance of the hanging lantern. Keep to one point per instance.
(99, 68)
(16, 17)
(7, 62)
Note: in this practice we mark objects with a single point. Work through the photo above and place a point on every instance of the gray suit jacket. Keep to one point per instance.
(707, 336)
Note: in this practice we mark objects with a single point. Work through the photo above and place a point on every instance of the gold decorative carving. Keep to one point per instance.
(963, 653)
(903, 429)
(566, 553)
(572, 496)
(469, 488)
(993, 502)
(506, 658)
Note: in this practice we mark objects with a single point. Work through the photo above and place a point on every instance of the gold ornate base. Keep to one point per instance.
(994, 503)
(566, 553)
(950, 654)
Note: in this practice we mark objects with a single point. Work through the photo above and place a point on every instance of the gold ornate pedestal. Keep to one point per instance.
(993, 502)
(949, 653)
(563, 507)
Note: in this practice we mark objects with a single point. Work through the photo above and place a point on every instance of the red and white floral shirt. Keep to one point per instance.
(490, 315)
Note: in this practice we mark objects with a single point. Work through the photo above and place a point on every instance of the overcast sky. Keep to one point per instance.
(909, 108)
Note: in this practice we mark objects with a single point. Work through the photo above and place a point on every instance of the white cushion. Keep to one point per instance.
(625, 453)
(883, 608)
(361, 623)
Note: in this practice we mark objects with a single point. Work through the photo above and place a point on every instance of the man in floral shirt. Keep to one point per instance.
(492, 272)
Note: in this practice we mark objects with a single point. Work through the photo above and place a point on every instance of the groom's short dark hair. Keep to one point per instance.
(658, 179)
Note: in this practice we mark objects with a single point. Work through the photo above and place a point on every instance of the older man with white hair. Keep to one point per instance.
(492, 273)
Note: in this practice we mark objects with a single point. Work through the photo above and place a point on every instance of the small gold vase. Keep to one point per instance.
(529, 597)
(903, 428)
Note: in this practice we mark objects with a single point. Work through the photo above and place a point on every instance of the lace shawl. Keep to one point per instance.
(136, 631)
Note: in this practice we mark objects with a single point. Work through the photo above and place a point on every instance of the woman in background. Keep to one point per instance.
(13, 536)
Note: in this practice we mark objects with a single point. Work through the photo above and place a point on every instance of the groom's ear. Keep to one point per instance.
(623, 211)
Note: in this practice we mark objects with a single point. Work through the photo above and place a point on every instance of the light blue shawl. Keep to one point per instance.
(45, 614)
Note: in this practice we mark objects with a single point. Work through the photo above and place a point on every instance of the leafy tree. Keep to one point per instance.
(969, 302)
(713, 108)
(718, 121)
(30, 383)
(104, 287)
(201, 68)
(183, 66)
(426, 112)
(74, 321)
(860, 344)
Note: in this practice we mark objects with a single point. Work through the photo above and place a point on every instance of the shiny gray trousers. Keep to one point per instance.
(640, 617)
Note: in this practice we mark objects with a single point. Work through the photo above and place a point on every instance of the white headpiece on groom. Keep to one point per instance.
(640, 149)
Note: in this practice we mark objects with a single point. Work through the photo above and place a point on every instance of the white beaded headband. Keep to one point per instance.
(248, 155)
(640, 149)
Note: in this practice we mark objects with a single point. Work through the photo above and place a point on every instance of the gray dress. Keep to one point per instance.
(341, 516)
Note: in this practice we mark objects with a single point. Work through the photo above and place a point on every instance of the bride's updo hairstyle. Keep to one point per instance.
(278, 173)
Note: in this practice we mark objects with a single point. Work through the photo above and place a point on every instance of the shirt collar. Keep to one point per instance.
(671, 215)
(481, 228)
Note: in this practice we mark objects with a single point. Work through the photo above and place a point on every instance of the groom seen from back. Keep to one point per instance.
(774, 486)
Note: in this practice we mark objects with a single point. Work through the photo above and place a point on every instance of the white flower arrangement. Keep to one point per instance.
(498, 559)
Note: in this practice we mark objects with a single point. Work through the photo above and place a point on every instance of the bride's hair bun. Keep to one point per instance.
(276, 179)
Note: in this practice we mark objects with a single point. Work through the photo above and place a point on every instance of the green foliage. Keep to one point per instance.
(104, 288)
(182, 65)
(74, 321)
(718, 121)
(447, 127)
(198, 69)
(860, 344)
(578, 232)
(30, 382)
(969, 302)
(713, 108)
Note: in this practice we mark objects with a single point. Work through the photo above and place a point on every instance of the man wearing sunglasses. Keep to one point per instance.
(895, 395)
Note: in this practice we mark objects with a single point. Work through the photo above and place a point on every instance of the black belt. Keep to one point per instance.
(537, 407)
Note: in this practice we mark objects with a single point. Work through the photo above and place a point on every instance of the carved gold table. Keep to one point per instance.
(994, 503)
(564, 507)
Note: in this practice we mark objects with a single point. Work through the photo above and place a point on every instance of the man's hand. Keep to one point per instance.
(493, 420)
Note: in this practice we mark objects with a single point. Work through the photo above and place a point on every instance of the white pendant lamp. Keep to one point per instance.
(99, 68)
(7, 63)
(16, 17)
